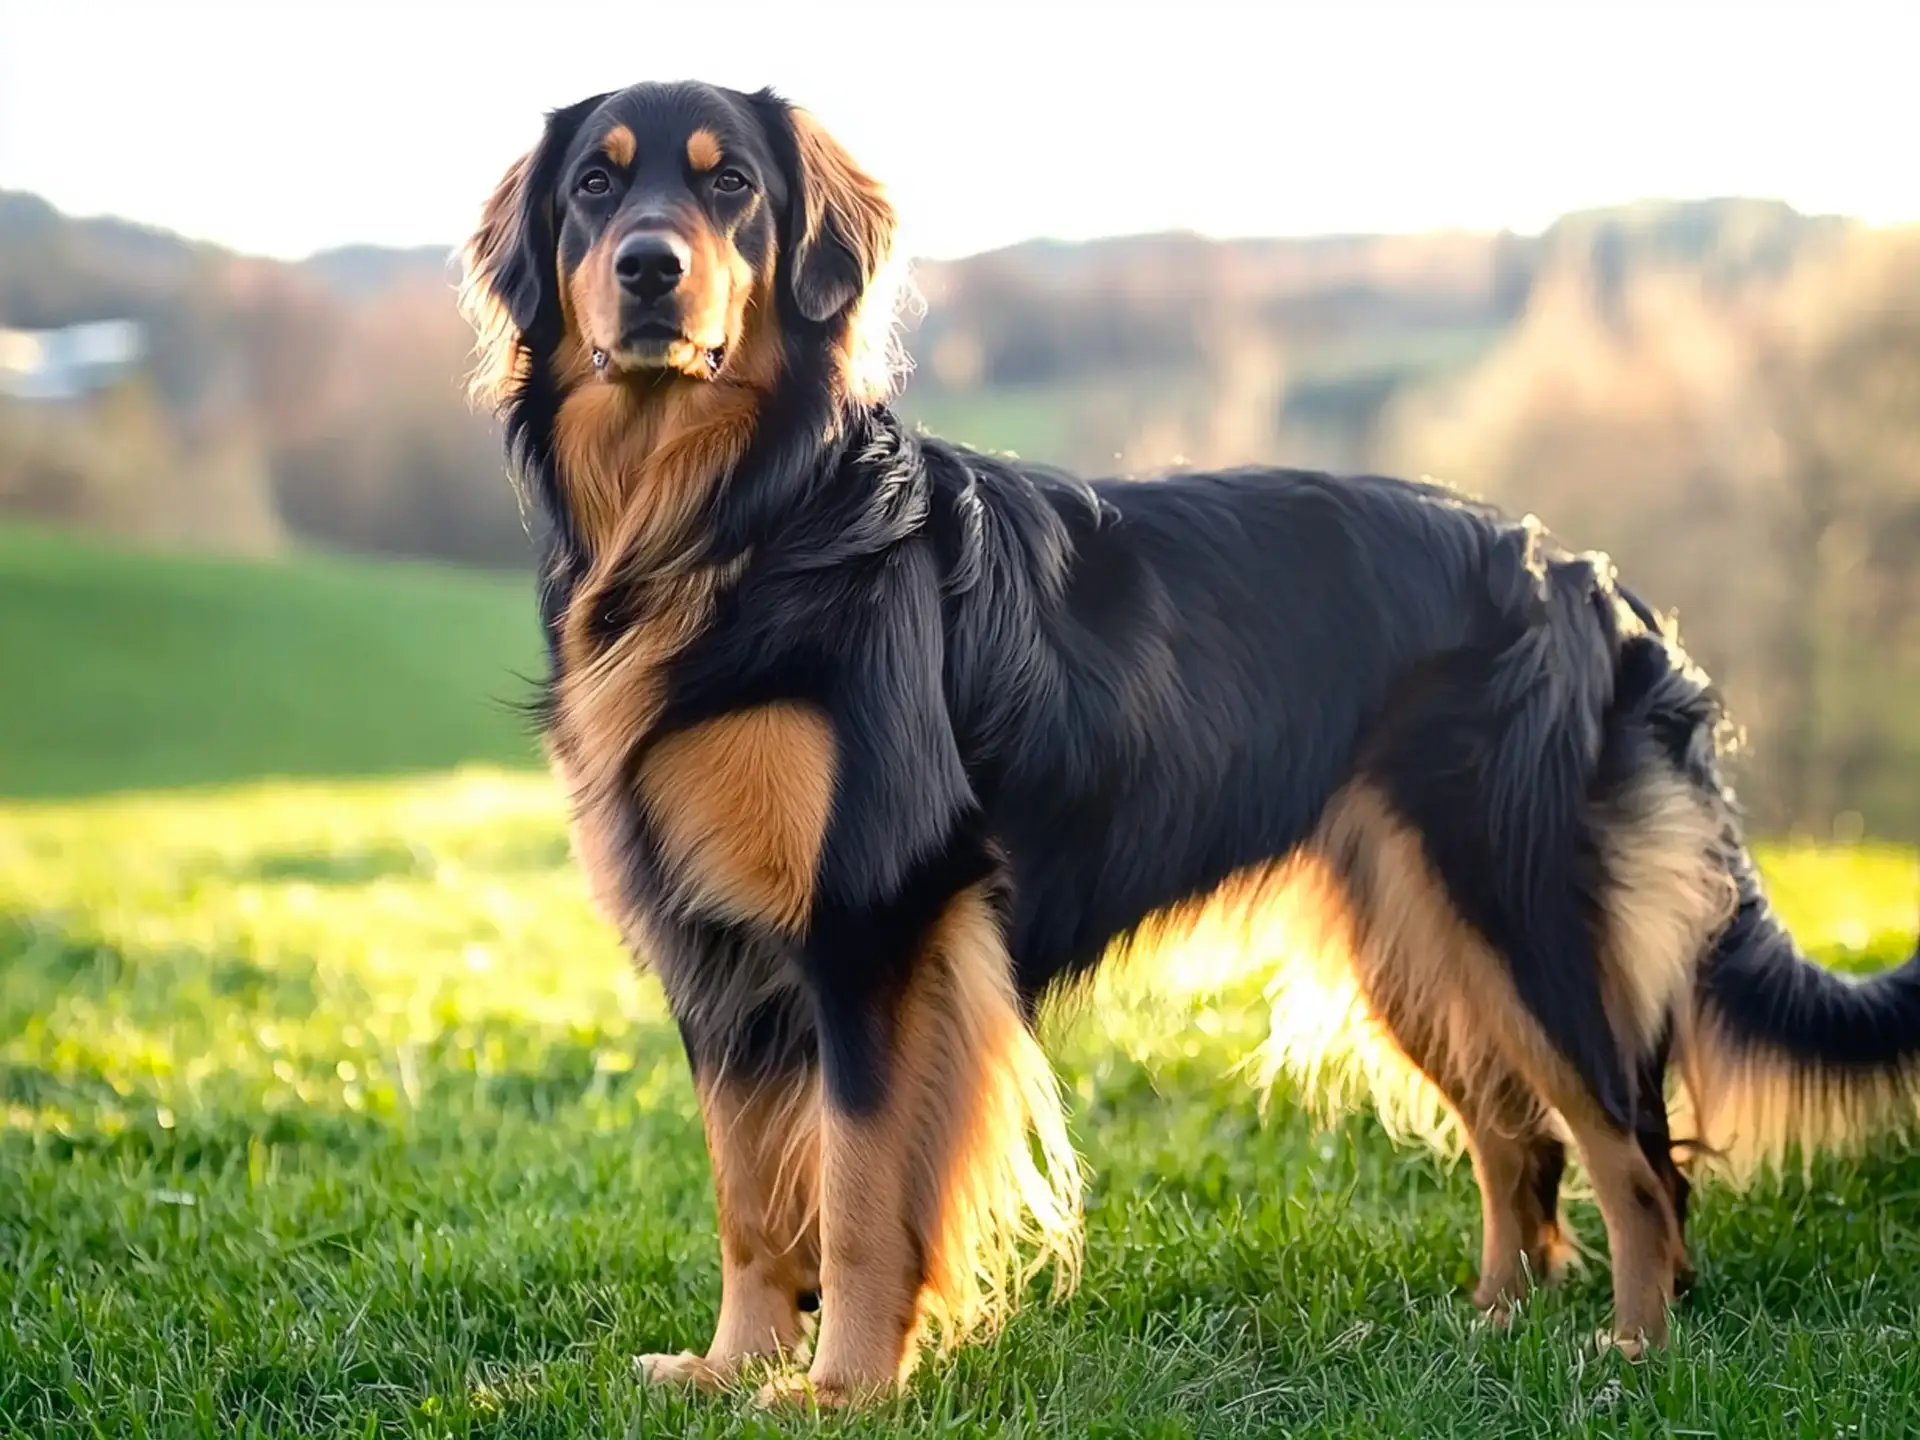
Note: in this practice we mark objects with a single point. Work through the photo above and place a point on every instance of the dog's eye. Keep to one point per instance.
(729, 182)
(595, 182)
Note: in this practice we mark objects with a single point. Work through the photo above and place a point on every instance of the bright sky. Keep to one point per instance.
(282, 126)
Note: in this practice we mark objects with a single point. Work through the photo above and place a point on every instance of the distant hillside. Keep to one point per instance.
(278, 403)
(56, 270)
(130, 671)
(322, 401)
(365, 271)
(1733, 240)
(1149, 345)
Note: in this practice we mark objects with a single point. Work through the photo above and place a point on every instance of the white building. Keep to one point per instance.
(67, 363)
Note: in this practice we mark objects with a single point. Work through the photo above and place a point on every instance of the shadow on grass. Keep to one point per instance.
(341, 867)
(45, 964)
(503, 855)
(187, 1059)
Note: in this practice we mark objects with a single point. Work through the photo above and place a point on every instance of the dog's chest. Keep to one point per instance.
(722, 820)
(614, 645)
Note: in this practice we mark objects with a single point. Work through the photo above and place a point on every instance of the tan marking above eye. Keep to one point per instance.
(620, 145)
(703, 150)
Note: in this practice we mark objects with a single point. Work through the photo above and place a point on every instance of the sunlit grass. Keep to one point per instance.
(332, 1109)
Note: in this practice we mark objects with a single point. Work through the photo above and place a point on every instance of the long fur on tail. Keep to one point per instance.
(1777, 1055)
(1786, 1057)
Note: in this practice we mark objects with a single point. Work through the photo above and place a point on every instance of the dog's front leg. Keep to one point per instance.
(872, 1267)
(933, 1090)
(763, 1140)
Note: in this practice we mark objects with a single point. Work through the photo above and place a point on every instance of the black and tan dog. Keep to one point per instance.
(873, 742)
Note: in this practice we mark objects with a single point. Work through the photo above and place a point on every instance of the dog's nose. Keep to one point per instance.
(649, 264)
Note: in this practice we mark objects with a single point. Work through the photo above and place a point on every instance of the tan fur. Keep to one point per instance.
(590, 298)
(594, 847)
(1644, 1245)
(1416, 957)
(639, 460)
(713, 297)
(764, 1143)
(703, 150)
(740, 805)
(638, 463)
(500, 358)
(1448, 1002)
(718, 288)
(833, 183)
(1745, 1110)
(609, 699)
(869, 1275)
(1753, 1110)
(611, 695)
(620, 145)
(1522, 1244)
(1669, 894)
(992, 1099)
(928, 1205)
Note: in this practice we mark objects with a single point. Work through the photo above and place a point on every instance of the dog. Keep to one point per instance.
(874, 742)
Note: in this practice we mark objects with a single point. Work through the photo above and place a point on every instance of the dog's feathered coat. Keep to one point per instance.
(873, 741)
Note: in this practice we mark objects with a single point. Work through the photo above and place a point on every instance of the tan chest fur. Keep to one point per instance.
(738, 805)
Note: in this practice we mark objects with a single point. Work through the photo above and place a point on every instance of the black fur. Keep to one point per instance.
(1773, 999)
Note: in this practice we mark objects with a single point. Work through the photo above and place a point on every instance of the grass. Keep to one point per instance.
(125, 670)
(329, 1109)
(1038, 422)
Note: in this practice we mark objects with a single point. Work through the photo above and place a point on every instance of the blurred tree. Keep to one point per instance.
(1837, 370)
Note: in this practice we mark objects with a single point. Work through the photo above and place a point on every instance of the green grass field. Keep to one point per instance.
(328, 1108)
(124, 670)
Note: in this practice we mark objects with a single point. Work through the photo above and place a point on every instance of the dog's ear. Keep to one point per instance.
(839, 227)
(510, 282)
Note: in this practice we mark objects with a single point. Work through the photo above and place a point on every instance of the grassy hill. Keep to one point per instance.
(130, 670)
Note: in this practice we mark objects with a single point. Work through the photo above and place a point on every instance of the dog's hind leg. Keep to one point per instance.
(1421, 958)
(1643, 1233)
(1653, 1132)
(1418, 987)
(1520, 1173)
(1518, 1163)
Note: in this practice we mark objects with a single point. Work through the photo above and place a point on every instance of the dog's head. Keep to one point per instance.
(652, 234)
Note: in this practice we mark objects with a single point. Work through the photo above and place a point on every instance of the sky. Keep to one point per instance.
(282, 126)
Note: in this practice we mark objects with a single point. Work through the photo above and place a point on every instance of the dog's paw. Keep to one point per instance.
(1628, 1347)
(1494, 1314)
(686, 1368)
(794, 1392)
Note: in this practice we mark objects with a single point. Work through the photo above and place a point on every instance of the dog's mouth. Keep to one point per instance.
(657, 346)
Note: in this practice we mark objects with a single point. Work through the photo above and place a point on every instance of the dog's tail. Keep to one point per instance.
(1785, 1055)
(1779, 1055)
